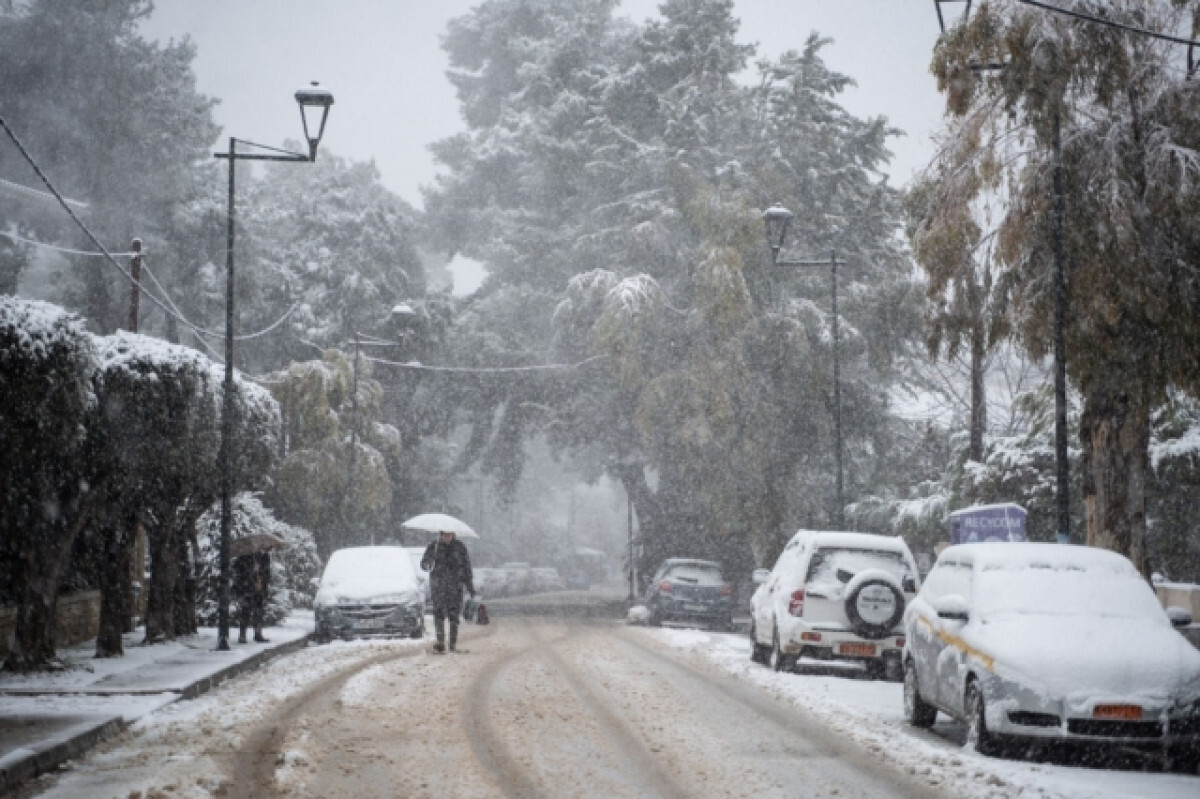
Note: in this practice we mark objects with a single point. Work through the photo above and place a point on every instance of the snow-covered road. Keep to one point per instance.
(871, 713)
(544, 708)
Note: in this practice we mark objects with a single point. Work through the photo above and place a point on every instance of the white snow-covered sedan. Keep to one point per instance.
(369, 591)
(1050, 641)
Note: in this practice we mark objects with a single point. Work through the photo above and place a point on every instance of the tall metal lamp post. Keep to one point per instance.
(776, 220)
(314, 105)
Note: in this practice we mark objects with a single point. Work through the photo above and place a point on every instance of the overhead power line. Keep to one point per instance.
(487, 370)
(109, 256)
(57, 248)
(420, 367)
(26, 193)
(1166, 37)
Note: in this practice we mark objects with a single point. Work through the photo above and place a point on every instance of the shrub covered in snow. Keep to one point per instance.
(294, 569)
(46, 364)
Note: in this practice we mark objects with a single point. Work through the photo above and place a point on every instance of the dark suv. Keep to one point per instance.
(688, 590)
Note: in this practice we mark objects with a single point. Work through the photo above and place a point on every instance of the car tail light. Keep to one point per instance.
(796, 603)
(810, 636)
(727, 590)
(900, 642)
(665, 586)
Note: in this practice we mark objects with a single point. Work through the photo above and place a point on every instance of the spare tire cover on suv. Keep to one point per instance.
(874, 603)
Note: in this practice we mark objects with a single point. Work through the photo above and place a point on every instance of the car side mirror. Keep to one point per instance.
(909, 584)
(951, 607)
(760, 576)
(1179, 616)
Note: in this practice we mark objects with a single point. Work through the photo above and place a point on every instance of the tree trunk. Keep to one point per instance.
(978, 397)
(1115, 433)
(184, 610)
(646, 506)
(33, 639)
(116, 583)
(164, 573)
(35, 584)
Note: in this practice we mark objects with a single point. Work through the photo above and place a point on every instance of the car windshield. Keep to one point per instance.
(837, 565)
(1065, 590)
(696, 573)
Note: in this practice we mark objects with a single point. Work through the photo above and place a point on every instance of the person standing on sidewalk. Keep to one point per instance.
(449, 568)
(251, 584)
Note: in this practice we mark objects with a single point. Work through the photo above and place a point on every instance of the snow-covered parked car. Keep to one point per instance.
(415, 554)
(369, 591)
(834, 596)
(489, 582)
(547, 579)
(1049, 641)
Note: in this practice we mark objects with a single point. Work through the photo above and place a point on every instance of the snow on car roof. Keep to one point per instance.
(363, 572)
(841, 538)
(689, 561)
(1015, 555)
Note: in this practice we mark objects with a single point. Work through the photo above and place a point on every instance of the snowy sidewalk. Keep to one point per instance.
(47, 719)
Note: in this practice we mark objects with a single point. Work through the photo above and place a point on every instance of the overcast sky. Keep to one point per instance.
(383, 61)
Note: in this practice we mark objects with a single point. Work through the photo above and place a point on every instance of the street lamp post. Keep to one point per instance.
(312, 100)
(776, 220)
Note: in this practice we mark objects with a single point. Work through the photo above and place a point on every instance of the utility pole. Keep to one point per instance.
(629, 526)
(1063, 470)
(837, 397)
(135, 288)
(347, 502)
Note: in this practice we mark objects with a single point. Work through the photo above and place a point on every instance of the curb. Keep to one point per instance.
(206, 684)
(44, 760)
(39, 762)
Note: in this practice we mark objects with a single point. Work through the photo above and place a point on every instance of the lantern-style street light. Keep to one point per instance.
(314, 105)
(777, 220)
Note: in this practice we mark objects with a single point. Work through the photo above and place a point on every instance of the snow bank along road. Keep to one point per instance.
(535, 708)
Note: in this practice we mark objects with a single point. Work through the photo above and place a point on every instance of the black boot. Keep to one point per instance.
(439, 627)
(453, 634)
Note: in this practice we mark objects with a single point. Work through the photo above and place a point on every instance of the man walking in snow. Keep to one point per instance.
(449, 568)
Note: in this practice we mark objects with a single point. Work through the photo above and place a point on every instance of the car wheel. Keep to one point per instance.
(418, 632)
(874, 608)
(759, 653)
(917, 711)
(779, 660)
(977, 731)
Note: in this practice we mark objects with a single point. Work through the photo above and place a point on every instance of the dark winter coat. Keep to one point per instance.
(252, 575)
(449, 568)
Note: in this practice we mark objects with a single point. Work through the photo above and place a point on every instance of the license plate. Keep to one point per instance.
(693, 606)
(858, 650)
(369, 624)
(1122, 712)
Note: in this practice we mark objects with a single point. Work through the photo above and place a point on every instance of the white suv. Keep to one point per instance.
(834, 596)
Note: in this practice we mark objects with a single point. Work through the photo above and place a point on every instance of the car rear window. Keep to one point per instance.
(827, 562)
(697, 573)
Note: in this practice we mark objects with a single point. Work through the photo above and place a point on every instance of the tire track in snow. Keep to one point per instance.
(866, 769)
(489, 747)
(623, 735)
(253, 767)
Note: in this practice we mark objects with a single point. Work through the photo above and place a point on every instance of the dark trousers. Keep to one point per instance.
(250, 611)
(447, 606)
